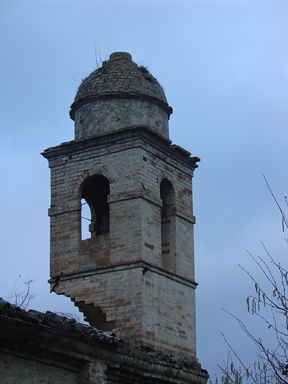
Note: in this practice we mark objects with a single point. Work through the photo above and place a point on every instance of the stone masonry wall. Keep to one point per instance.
(108, 270)
(162, 297)
(134, 171)
(142, 305)
(102, 116)
(23, 370)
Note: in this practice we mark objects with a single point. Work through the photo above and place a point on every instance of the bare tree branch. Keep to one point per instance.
(271, 366)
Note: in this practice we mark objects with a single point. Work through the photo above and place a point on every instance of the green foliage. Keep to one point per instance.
(147, 75)
(144, 70)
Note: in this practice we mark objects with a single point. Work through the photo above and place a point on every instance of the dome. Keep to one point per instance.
(119, 94)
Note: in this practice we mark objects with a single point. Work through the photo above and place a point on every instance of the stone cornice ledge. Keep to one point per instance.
(126, 266)
(123, 135)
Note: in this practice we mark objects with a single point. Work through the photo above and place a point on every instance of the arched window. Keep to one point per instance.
(167, 196)
(94, 195)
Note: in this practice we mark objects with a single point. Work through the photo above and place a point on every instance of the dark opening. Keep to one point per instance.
(95, 191)
(167, 196)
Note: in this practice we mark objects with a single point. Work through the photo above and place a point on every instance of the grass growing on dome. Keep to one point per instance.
(147, 75)
(144, 70)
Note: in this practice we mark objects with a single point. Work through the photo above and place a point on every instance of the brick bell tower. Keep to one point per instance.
(134, 272)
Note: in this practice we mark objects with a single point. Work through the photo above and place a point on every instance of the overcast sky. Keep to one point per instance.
(223, 66)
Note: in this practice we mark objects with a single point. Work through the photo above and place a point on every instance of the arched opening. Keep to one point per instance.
(94, 195)
(167, 196)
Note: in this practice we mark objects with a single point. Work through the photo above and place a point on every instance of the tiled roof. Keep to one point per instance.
(151, 366)
(51, 321)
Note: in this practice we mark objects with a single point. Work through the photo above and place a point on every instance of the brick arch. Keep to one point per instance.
(168, 224)
(85, 175)
(163, 175)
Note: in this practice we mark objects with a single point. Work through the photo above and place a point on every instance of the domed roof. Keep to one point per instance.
(120, 77)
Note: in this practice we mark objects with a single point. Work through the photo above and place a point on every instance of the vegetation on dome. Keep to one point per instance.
(147, 75)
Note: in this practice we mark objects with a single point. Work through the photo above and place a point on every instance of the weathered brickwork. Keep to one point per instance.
(103, 116)
(137, 269)
(94, 252)
(136, 170)
(158, 307)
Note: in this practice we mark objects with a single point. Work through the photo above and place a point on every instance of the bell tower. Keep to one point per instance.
(124, 182)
